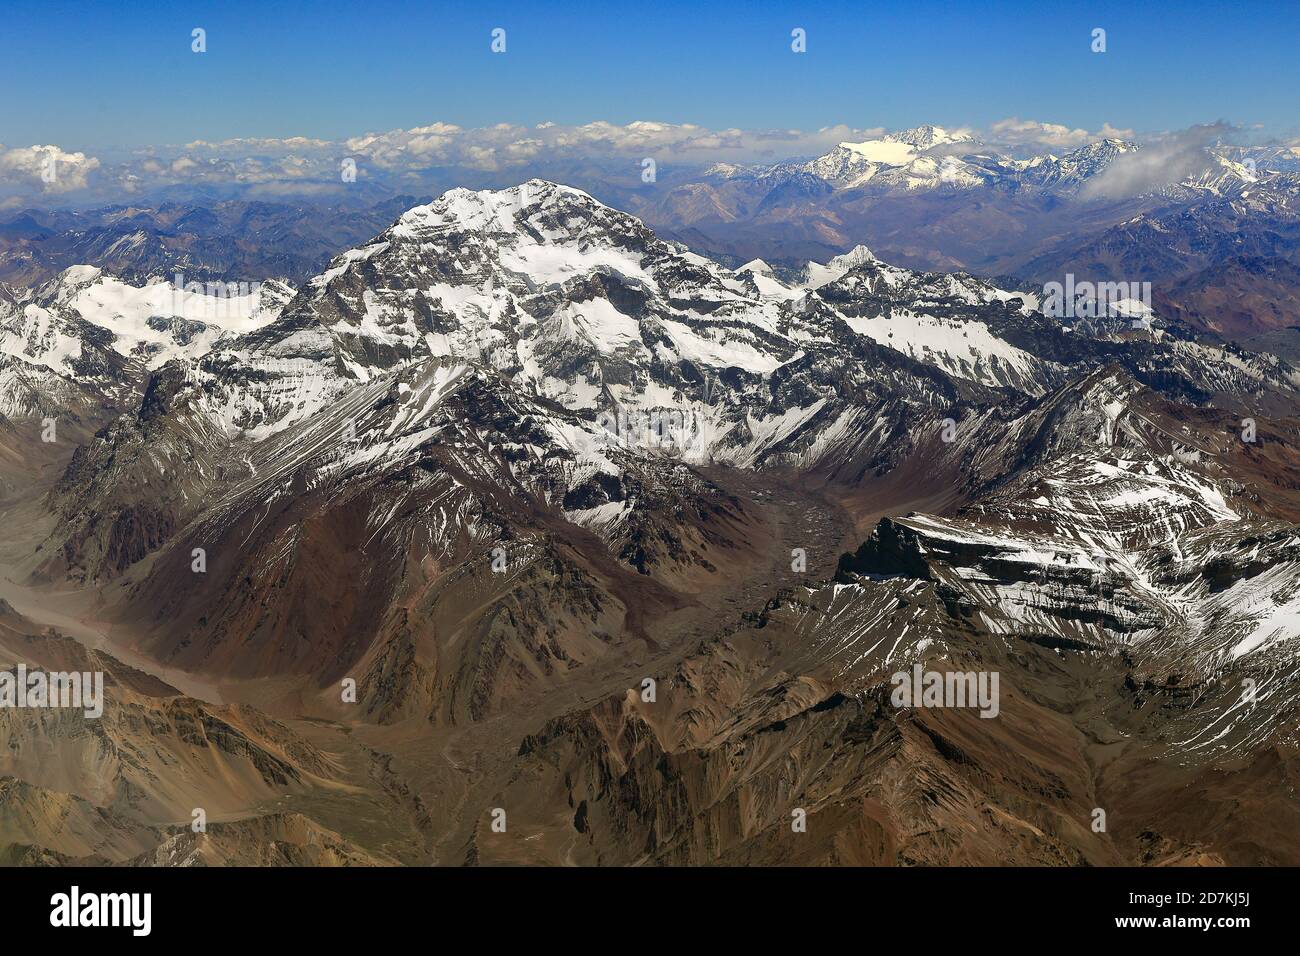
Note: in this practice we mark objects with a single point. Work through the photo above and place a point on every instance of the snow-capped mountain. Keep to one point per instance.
(1072, 170)
(87, 339)
(902, 160)
(927, 137)
(1220, 243)
(579, 305)
(930, 157)
(153, 323)
(57, 324)
(517, 451)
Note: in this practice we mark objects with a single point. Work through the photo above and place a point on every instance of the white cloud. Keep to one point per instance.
(48, 168)
(256, 144)
(1051, 136)
(505, 144)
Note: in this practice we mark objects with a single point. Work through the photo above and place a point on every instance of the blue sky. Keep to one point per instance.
(101, 75)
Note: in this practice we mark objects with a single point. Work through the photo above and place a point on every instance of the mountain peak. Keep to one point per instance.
(755, 265)
(853, 258)
(927, 136)
(1105, 147)
(492, 210)
(68, 283)
(817, 275)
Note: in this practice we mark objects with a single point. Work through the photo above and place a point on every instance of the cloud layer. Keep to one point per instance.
(408, 158)
(1049, 136)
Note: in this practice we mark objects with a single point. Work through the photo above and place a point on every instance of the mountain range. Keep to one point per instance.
(523, 513)
(1211, 226)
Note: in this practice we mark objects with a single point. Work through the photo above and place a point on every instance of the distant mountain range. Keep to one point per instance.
(1206, 225)
(232, 240)
(1106, 211)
